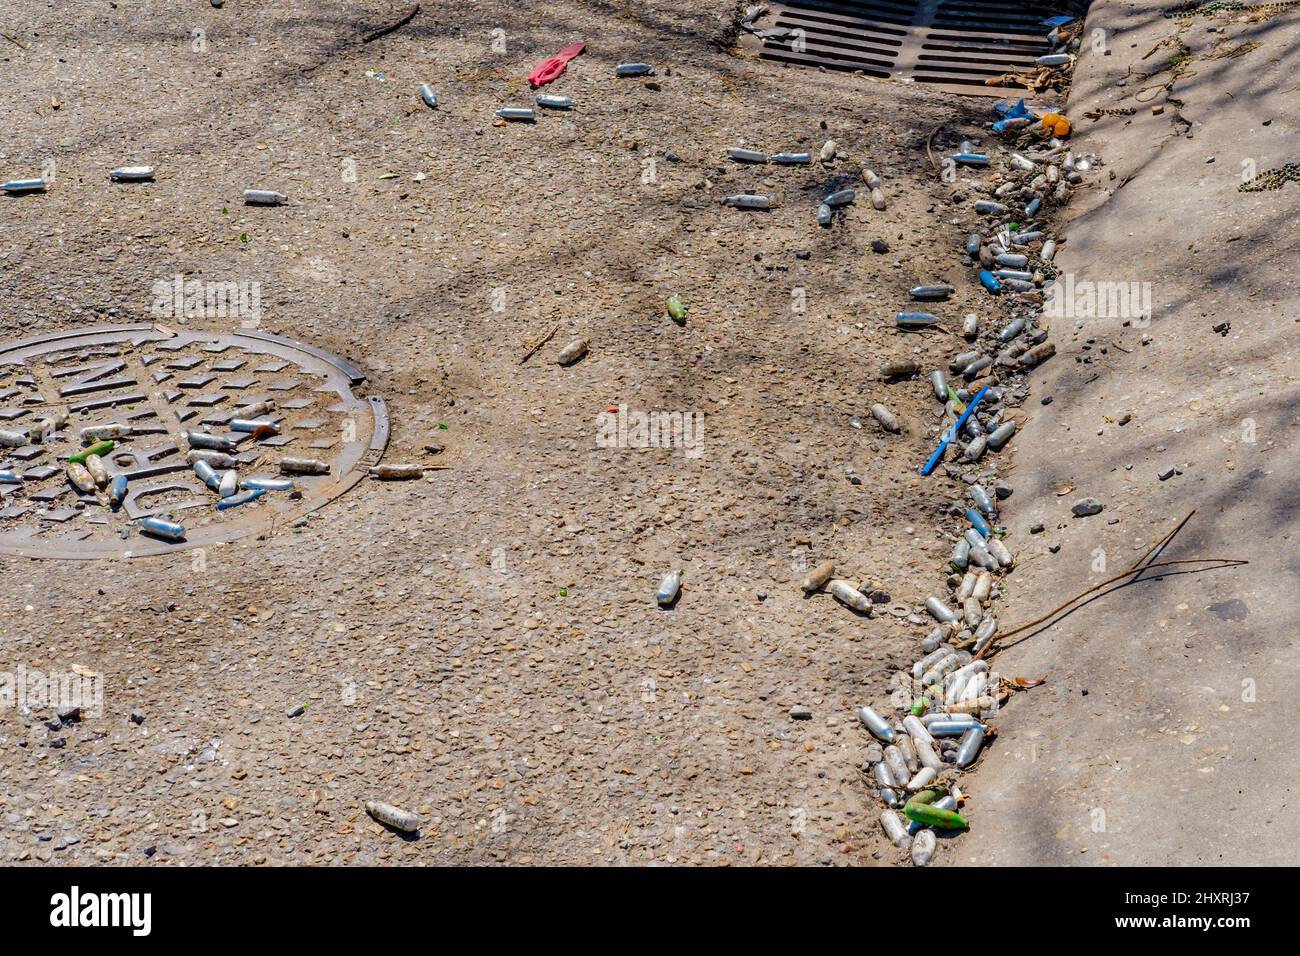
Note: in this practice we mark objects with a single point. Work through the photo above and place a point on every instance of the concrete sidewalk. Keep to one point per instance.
(1164, 733)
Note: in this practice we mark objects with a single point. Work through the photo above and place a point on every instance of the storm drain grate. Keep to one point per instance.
(162, 383)
(953, 45)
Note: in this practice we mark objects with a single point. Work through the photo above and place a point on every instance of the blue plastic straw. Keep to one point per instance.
(952, 433)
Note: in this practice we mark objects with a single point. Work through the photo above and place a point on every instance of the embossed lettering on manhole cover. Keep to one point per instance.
(161, 384)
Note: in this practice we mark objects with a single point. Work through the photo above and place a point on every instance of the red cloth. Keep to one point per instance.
(552, 67)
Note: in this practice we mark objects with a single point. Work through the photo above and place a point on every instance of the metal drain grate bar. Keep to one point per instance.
(949, 44)
(1012, 17)
(841, 42)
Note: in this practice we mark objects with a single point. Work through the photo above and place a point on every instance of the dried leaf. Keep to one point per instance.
(1024, 683)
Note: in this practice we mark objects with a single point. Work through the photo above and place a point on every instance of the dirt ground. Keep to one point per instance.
(483, 646)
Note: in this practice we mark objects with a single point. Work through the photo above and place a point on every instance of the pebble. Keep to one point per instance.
(1085, 507)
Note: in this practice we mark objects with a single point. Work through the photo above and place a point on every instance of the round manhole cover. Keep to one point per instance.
(162, 384)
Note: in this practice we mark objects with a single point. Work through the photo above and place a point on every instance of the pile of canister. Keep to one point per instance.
(950, 695)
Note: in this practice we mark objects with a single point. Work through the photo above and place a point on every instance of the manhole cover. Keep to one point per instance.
(953, 45)
(164, 383)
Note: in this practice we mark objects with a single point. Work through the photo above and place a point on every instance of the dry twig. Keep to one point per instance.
(540, 342)
(384, 31)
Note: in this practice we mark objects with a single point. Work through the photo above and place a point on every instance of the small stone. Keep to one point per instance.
(1166, 474)
(800, 712)
(137, 717)
(879, 246)
(1085, 507)
(1036, 528)
(296, 711)
(1045, 400)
